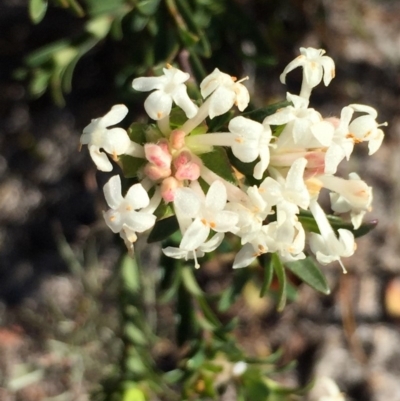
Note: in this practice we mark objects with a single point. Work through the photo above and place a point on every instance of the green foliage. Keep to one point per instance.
(151, 33)
(309, 273)
(308, 222)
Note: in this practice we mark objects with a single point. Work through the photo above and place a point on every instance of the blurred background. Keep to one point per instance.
(59, 318)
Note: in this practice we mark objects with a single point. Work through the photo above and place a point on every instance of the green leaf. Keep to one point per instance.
(218, 162)
(76, 8)
(255, 389)
(208, 313)
(130, 165)
(190, 282)
(139, 22)
(39, 82)
(310, 273)
(268, 274)
(37, 10)
(188, 38)
(163, 229)
(217, 123)
(133, 394)
(309, 223)
(260, 114)
(134, 334)
(137, 132)
(45, 53)
(148, 7)
(280, 273)
(105, 7)
(100, 26)
(130, 274)
(229, 296)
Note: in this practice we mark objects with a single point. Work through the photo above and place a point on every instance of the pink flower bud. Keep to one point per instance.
(158, 154)
(177, 139)
(186, 169)
(156, 173)
(168, 187)
(183, 158)
(190, 171)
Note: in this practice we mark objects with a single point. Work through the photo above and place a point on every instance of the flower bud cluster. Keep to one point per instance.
(294, 154)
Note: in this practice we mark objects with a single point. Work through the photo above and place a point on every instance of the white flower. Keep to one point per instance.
(289, 237)
(124, 215)
(352, 195)
(114, 141)
(315, 67)
(251, 213)
(326, 246)
(329, 387)
(225, 91)
(251, 141)
(285, 236)
(342, 145)
(304, 126)
(208, 213)
(208, 246)
(250, 251)
(365, 128)
(288, 193)
(169, 88)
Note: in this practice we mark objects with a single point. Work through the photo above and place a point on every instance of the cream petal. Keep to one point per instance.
(244, 257)
(115, 115)
(329, 69)
(112, 192)
(116, 141)
(139, 221)
(113, 220)
(221, 101)
(100, 159)
(195, 235)
(158, 105)
(146, 84)
(182, 99)
(216, 197)
(137, 197)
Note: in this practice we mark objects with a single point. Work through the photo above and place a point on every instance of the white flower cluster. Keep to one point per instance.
(295, 152)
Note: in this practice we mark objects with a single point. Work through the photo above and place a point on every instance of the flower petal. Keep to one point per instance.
(195, 236)
(244, 257)
(115, 115)
(182, 99)
(112, 192)
(146, 84)
(116, 141)
(187, 202)
(216, 197)
(158, 105)
(222, 100)
(100, 159)
(137, 197)
(139, 221)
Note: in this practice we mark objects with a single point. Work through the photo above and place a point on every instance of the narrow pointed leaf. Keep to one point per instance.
(190, 282)
(37, 10)
(268, 273)
(280, 273)
(310, 273)
(308, 222)
(218, 162)
(260, 114)
(163, 229)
